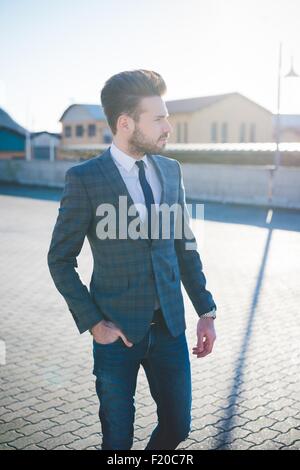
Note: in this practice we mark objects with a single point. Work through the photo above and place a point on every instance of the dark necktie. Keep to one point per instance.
(149, 199)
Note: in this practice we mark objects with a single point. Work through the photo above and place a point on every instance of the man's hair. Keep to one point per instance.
(123, 92)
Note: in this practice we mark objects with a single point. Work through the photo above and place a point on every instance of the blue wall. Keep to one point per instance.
(11, 141)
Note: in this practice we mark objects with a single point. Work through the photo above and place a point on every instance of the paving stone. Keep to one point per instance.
(54, 442)
(267, 445)
(62, 429)
(25, 441)
(261, 436)
(80, 415)
(9, 436)
(260, 423)
(86, 443)
(237, 444)
(289, 437)
(85, 431)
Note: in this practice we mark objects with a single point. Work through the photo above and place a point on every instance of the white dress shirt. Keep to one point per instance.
(129, 171)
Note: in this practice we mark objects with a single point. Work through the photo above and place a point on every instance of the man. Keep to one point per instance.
(134, 308)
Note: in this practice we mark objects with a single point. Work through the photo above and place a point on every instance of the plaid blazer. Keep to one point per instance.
(126, 272)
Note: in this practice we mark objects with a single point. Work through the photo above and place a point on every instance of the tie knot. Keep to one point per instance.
(140, 164)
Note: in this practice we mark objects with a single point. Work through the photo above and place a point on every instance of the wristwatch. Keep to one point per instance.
(210, 314)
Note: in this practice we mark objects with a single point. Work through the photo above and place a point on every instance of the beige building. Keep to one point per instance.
(84, 124)
(223, 118)
(227, 118)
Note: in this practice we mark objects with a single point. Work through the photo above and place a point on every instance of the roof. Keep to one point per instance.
(54, 134)
(95, 111)
(7, 122)
(189, 105)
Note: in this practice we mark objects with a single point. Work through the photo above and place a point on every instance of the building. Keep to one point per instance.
(84, 124)
(12, 138)
(216, 119)
(44, 145)
(289, 127)
(223, 118)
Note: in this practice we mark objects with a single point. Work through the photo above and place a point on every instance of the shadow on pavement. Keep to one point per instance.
(238, 377)
(283, 219)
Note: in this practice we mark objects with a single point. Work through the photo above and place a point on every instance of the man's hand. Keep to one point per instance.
(106, 332)
(206, 335)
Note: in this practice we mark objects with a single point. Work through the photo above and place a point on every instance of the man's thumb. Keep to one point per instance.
(128, 343)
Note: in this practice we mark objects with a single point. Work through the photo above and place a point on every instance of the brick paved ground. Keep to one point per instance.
(246, 395)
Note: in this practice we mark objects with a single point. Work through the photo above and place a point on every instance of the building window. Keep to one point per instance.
(79, 131)
(91, 130)
(68, 131)
(243, 132)
(185, 132)
(214, 132)
(224, 132)
(178, 127)
(252, 133)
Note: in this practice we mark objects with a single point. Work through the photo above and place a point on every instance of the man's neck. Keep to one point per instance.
(124, 148)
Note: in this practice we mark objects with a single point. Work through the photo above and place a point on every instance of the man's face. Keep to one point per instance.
(152, 130)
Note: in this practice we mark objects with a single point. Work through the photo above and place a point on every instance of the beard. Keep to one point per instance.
(139, 144)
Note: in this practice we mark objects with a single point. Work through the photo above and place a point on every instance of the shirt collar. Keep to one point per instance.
(125, 160)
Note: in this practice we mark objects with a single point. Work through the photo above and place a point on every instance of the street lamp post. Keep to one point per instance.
(277, 160)
(277, 153)
(28, 152)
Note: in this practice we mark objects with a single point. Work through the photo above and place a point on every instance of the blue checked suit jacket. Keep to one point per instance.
(126, 271)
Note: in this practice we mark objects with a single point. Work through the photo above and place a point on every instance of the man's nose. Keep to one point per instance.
(168, 128)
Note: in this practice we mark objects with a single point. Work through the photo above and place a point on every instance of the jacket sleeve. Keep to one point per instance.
(190, 265)
(74, 218)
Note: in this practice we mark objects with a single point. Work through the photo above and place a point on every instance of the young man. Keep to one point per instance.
(134, 308)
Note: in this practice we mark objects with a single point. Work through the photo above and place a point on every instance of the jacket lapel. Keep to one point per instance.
(113, 177)
(163, 180)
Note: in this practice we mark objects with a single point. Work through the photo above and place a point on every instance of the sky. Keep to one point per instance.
(58, 52)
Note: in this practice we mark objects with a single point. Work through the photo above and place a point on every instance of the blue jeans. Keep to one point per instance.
(165, 360)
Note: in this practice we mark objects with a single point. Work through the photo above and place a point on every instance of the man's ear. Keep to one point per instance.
(125, 124)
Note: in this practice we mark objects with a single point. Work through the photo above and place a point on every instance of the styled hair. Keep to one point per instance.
(123, 92)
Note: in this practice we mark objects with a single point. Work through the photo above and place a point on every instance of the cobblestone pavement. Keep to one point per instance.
(246, 394)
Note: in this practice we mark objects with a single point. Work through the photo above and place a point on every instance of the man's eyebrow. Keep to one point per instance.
(162, 115)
